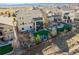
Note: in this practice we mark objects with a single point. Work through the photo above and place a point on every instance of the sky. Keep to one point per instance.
(38, 1)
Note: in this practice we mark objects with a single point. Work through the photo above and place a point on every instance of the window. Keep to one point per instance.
(19, 17)
(22, 28)
(23, 23)
(30, 26)
(10, 29)
(0, 33)
(68, 17)
(39, 26)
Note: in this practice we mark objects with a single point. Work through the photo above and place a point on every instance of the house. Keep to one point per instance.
(25, 19)
(68, 16)
(55, 17)
(55, 14)
(6, 27)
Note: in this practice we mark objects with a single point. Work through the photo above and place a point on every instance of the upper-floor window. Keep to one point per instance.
(23, 23)
(21, 18)
(22, 28)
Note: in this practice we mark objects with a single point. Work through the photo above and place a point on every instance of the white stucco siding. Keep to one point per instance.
(25, 19)
(72, 16)
(25, 27)
(27, 16)
(77, 14)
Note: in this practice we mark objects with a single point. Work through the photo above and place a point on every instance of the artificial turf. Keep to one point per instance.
(6, 49)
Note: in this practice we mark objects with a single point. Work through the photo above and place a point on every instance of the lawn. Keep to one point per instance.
(6, 49)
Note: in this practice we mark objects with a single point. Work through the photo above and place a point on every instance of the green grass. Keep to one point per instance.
(41, 32)
(6, 49)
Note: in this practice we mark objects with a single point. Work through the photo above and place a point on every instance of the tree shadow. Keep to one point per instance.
(38, 49)
(61, 42)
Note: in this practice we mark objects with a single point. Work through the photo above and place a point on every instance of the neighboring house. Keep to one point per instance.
(68, 16)
(55, 14)
(7, 29)
(55, 17)
(38, 23)
(7, 32)
(25, 19)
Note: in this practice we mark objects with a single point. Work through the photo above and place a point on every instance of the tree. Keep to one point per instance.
(9, 14)
(14, 15)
